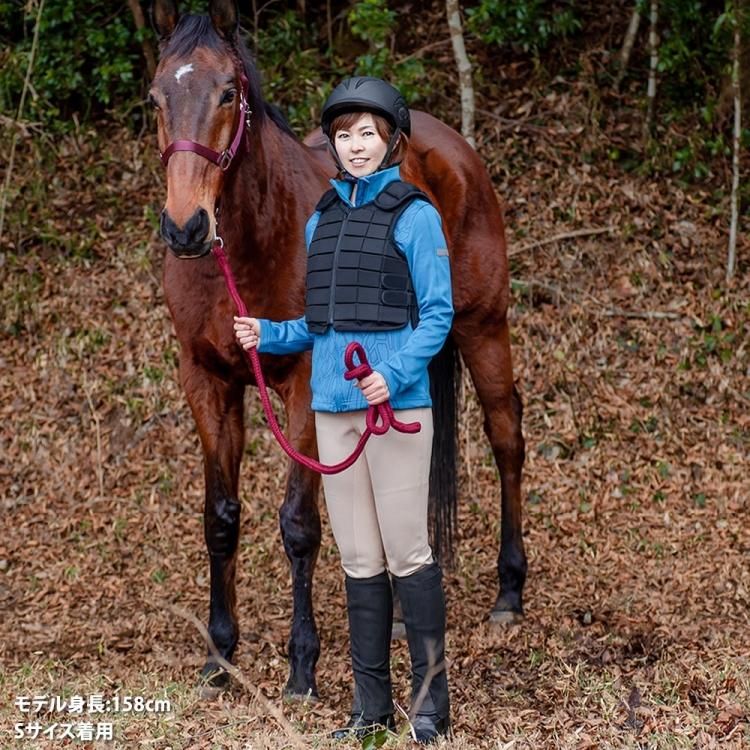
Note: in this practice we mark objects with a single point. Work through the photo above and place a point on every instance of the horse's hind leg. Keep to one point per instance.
(218, 411)
(300, 530)
(486, 351)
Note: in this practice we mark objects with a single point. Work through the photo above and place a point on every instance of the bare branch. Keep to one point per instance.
(642, 314)
(98, 432)
(563, 236)
(521, 124)
(26, 87)
(295, 737)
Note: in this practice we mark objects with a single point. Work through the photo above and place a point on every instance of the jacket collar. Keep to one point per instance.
(368, 188)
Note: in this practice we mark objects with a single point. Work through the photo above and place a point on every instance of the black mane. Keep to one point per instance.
(194, 31)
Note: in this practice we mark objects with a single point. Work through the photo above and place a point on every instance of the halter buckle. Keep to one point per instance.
(248, 112)
(225, 160)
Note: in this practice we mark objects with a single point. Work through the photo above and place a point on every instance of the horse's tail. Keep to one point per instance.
(444, 381)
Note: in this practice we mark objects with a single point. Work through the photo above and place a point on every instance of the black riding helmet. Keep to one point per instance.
(367, 94)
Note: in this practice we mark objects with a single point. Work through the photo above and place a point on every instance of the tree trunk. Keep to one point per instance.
(732, 253)
(653, 48)
(627, 45)
(148, 49)
(464, 71)
(329, 26)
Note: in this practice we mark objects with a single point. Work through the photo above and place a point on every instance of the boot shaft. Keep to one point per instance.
(423, 603)
(370, 610)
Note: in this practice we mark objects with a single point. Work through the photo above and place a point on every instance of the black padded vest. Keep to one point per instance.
(357, 278)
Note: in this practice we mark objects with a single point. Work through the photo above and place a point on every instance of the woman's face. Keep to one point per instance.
(360, 147)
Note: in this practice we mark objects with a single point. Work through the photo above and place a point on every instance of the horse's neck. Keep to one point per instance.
(269, 194)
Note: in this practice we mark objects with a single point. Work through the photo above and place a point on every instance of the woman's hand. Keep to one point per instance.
(247, 331)
(374, 388)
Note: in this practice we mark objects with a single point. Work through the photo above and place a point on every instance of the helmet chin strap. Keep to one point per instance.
(335, 155)
(391, 145)
(383, 164)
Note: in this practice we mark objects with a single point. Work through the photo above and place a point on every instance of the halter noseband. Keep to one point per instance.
(221, 158)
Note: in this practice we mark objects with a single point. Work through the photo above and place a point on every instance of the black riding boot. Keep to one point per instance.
(370, 607)
(423, 603)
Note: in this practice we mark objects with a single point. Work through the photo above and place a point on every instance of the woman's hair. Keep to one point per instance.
(383, 126)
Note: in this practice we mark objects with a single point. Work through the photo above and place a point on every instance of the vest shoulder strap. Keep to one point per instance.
(397, 194)
(327, 200)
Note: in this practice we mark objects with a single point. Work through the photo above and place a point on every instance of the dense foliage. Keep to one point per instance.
(694, 50)
(300, 65)
(529, 25)
(90, 59)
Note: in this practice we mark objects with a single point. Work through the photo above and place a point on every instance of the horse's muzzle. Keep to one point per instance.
(190, 241)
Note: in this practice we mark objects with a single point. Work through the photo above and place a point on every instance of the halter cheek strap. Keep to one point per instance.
(222, 159)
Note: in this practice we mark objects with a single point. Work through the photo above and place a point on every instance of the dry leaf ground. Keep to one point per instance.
(632, 356)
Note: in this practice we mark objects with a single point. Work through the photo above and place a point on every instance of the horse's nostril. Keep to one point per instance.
(197, 227)
(167, 228)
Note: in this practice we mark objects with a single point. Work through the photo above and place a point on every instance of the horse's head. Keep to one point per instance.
(197, 92)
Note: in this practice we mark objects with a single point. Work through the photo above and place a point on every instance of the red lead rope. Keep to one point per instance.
(382, 412)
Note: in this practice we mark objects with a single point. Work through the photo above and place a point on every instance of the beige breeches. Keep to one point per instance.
(378, 506)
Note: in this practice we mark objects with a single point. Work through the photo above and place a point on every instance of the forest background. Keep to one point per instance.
(630, 329)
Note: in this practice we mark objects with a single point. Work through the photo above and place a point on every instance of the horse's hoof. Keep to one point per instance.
(294, 697)
(209, 693)
(214, 681)
(398, 632)
(300, 690)
(505, 617)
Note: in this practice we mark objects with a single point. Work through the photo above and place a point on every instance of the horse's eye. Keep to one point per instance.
(152, 101)
(228, 96)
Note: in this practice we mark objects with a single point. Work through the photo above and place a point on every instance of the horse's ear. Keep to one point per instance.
(225, 18)
(164, 16)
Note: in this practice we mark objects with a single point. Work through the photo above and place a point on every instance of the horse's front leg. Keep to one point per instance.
(300, 531)
(218, 411)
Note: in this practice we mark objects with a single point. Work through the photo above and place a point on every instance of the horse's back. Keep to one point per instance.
(442, 163)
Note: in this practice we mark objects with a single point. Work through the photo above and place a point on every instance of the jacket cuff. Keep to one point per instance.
(265, 334)
(390, 380)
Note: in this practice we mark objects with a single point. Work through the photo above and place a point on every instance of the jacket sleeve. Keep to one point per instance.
(288, 336)
(420, 236)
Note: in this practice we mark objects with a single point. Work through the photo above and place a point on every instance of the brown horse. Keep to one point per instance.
(265, 196)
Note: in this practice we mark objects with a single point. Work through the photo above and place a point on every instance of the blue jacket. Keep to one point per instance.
(400, 356)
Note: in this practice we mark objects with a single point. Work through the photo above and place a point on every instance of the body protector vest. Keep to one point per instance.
(357, 278)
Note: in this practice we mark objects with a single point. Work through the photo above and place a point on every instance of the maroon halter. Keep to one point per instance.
(224, 158)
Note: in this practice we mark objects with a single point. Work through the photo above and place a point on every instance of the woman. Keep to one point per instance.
(377, 273)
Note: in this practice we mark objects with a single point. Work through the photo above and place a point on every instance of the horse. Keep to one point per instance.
(255, 192)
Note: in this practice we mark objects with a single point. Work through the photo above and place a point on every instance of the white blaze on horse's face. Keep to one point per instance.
(182, 70)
